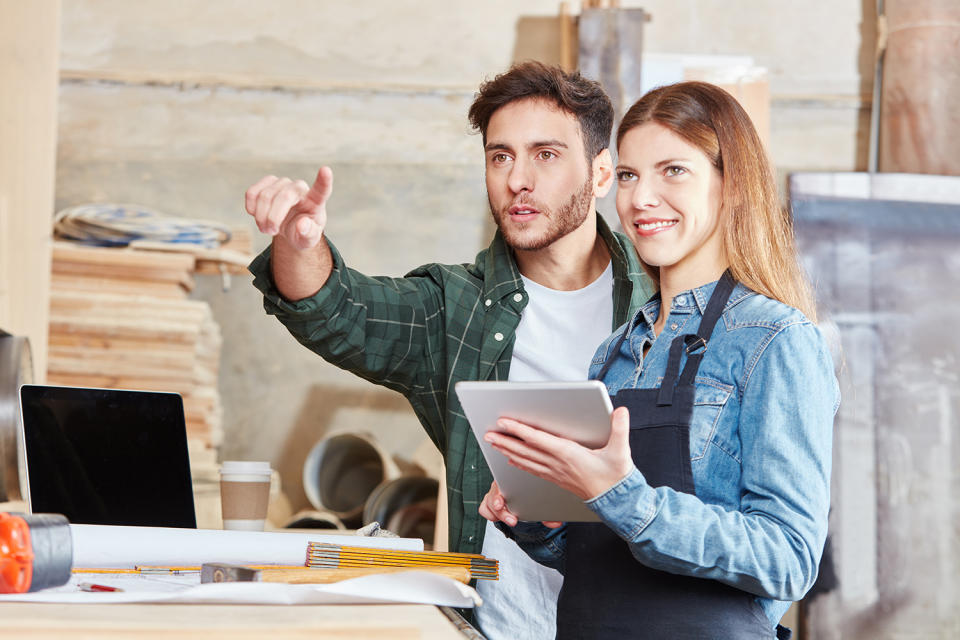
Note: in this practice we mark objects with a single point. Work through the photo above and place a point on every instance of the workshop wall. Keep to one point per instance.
(180, 106)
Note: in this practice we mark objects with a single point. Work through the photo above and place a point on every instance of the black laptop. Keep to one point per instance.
(107, 456)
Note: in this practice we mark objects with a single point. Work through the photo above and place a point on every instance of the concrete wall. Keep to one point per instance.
(180, 106)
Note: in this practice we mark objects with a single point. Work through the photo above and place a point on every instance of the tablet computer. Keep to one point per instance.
(579, 411)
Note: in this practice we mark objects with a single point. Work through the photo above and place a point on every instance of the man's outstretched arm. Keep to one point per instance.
(295, 214)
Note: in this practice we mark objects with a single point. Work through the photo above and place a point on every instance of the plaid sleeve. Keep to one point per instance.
(374, 327)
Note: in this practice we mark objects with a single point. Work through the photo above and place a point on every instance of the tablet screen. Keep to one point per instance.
(107, 456)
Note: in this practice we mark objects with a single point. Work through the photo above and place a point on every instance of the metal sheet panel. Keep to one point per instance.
(884, 253)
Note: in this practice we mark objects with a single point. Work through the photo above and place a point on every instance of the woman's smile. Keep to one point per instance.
(650, 227)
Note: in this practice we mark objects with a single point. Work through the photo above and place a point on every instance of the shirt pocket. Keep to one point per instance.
(710, 398)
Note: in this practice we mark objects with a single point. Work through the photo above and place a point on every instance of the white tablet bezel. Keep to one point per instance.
(579, 411)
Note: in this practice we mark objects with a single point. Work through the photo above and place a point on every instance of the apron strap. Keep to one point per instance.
(697, 345)
(715, 306)
(665, 397)
(694, 345)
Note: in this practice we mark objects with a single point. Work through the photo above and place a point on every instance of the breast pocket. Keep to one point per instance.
(710, 398)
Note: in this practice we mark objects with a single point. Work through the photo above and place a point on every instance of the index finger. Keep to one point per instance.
(528, 434)
(322, 187)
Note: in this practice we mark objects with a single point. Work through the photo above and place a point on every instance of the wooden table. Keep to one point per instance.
(33, 621)
(36, 621)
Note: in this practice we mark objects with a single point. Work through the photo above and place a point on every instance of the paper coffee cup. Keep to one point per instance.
(244, 494)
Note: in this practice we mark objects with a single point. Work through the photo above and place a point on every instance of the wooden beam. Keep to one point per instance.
(29, 68)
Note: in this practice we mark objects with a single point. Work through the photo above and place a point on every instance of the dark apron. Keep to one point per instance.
(606, 592)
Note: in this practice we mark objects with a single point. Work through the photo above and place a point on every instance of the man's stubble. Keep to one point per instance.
(566, 219)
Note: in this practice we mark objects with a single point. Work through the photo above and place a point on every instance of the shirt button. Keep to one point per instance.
(517, 297)
(498, 336)
(488, 302)
(470, 539)
(673, 327)
(681, 301)
(473, 467)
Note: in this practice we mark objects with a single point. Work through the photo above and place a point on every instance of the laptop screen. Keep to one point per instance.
(106, 456)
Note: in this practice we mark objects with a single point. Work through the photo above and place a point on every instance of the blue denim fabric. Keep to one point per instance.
(760, 448)
(541, 543)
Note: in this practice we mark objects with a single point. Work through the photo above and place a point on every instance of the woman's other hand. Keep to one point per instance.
(494, 508)
(584, 472)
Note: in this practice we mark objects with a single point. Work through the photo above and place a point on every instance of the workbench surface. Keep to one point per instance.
(32, 621)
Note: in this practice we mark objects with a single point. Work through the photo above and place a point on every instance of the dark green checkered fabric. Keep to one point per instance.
(421, 334)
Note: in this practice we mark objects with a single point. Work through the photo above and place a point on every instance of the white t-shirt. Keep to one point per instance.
(559, 332)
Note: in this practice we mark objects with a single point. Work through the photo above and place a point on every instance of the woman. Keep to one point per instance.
(713, 489)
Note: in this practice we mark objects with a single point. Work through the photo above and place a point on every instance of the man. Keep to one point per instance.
(533, 306)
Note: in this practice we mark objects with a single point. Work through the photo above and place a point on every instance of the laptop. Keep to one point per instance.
(106, 456)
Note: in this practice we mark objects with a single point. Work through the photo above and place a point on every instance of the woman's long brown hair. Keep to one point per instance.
(757, 231)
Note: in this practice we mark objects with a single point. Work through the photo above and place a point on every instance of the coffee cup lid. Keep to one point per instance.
(244, 467)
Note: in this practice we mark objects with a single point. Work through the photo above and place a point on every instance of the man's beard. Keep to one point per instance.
(564, 220)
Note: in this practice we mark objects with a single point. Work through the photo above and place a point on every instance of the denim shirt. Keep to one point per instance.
(760, 449)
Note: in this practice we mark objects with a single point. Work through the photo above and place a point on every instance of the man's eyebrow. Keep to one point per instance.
(536, 144)
(547, 143)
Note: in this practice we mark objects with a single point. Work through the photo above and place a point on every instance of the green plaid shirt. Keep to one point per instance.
(421, 334)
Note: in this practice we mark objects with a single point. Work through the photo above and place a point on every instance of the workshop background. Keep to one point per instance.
(179, 106)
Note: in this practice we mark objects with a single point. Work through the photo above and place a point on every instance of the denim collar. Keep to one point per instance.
(700, 296)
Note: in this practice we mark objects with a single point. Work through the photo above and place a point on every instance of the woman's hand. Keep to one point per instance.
(494, 508)
(584, 472)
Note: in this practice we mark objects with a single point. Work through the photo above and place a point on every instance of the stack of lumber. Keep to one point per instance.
(120, 318)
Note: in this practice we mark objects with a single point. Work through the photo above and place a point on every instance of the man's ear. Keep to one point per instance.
(602, 173)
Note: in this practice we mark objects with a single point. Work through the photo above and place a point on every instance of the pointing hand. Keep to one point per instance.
(291, 209)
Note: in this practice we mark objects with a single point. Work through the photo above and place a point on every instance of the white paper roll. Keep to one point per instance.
(102, 546)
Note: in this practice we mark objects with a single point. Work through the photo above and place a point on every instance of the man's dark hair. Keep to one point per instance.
(571, 92)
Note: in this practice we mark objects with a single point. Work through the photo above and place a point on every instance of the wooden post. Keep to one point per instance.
(29, 61)
(441, 531)
(611, 42)
(568, 26)
(919, 119)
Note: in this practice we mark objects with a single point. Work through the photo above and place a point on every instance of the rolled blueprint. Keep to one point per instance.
(103, 546)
